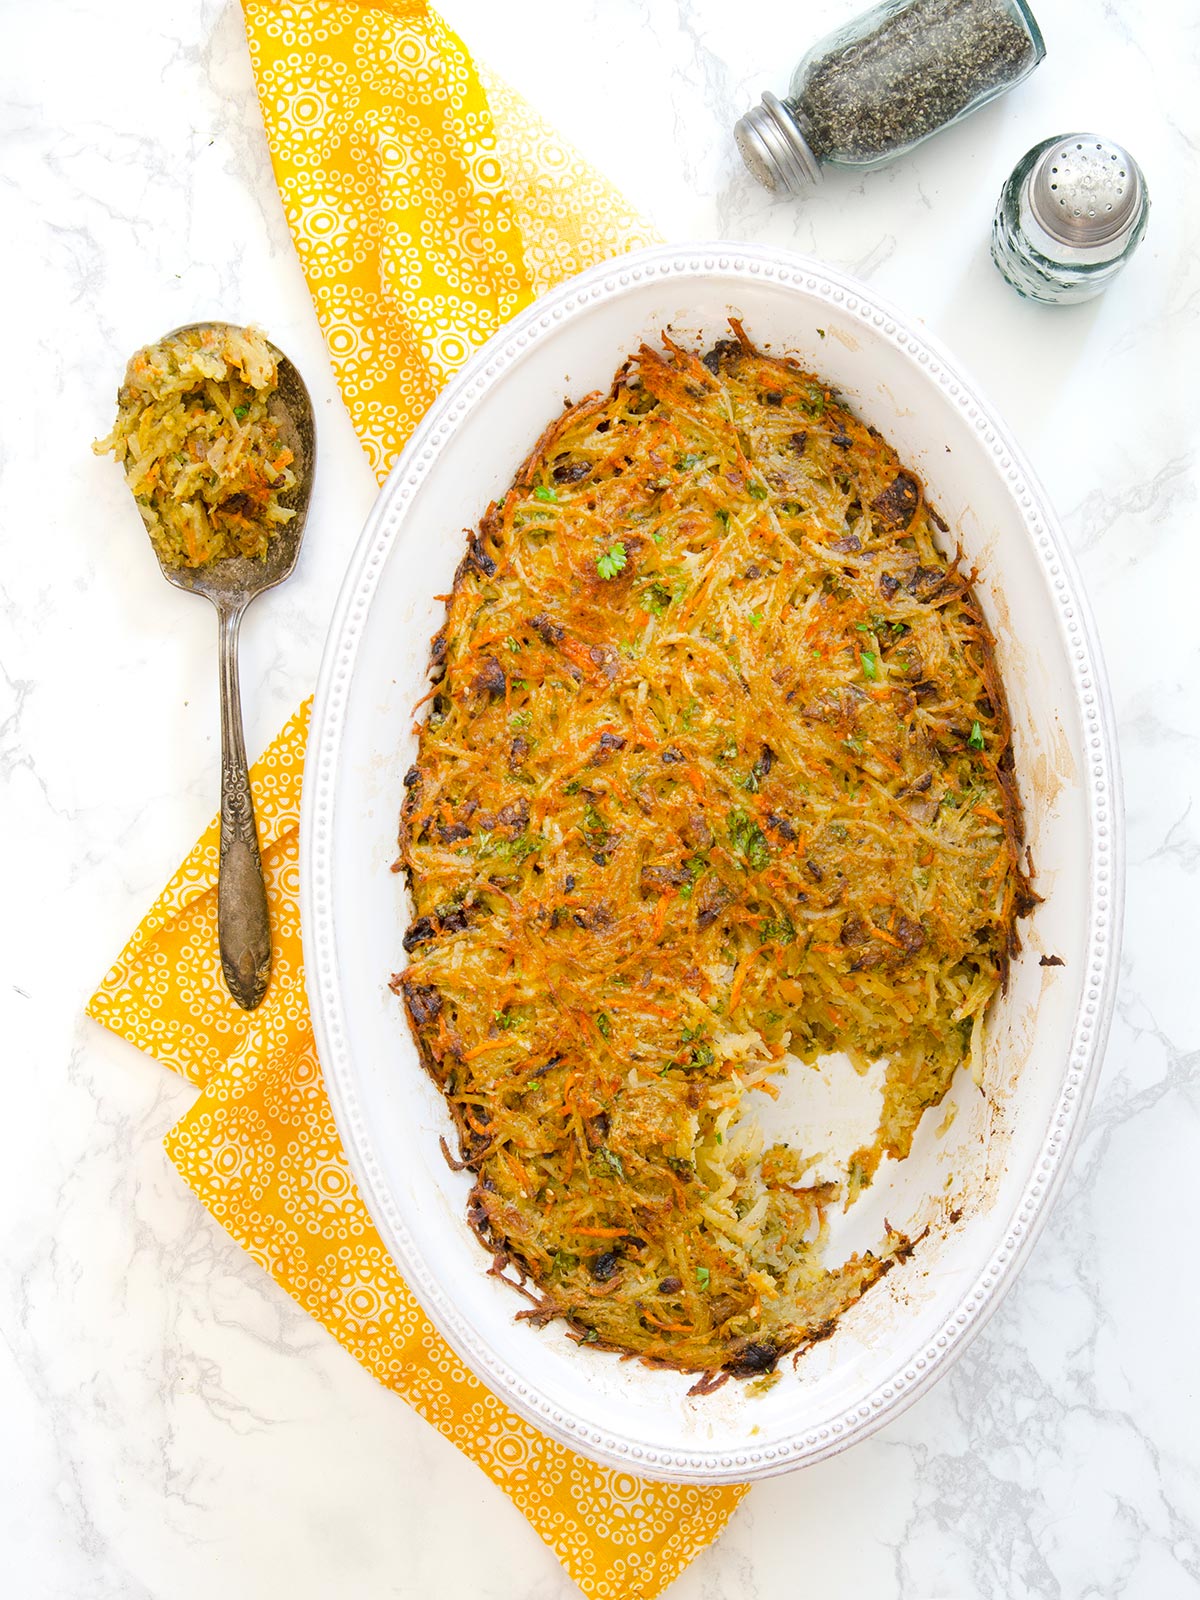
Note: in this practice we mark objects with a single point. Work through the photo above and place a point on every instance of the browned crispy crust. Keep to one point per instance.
(718, 767)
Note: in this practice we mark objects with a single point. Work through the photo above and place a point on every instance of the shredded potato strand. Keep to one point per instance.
(717, 768)
(201, 453)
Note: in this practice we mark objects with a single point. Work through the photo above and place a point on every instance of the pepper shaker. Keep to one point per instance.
(871, 90)
(1071, 214)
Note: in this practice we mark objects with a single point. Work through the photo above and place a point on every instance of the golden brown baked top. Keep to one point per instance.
(717, 768)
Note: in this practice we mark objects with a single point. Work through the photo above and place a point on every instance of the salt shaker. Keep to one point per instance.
(1071, 214)
(876, 87)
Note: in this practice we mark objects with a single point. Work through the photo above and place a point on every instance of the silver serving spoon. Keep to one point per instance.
(243, 924)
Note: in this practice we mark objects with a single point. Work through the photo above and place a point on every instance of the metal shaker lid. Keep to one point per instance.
(1085, 193)
(775, 150)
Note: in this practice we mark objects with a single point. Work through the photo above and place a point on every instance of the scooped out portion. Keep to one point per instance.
(201, 453)
(717, 770)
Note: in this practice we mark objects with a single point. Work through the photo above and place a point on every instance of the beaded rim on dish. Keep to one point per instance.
(1101, 780)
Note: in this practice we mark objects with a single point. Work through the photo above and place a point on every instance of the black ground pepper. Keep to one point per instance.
(876, 87)
(916, 70)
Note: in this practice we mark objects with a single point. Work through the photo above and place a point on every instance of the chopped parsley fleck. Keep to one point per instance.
(757, 491)
(748, 840)
(611, 562)
(756, 619)
(693, 867)
(240, 412)
(593, 822)
(543, 491)
(658, 597)
(976, 740)
(870, 666)
(519, 849)
(702, 1056)
(520, 719)
(604, 1025)
(612, 1162)
(703, 1277)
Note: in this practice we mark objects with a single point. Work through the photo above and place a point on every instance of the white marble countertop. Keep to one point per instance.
(173, 1426)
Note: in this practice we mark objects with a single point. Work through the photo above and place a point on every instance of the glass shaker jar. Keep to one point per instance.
(1071, 214)
(876, 87)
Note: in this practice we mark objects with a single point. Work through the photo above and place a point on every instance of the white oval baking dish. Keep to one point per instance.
(983, 1184)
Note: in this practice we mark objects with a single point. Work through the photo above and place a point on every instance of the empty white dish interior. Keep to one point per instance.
(977, 1181)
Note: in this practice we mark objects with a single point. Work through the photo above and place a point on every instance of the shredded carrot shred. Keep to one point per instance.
(694, 794)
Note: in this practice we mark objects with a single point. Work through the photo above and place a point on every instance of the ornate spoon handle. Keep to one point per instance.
(243, 924)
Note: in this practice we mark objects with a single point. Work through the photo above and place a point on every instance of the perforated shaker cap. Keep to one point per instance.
(1085, 192)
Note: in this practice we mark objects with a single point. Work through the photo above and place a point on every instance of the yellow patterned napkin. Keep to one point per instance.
(427, 207)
